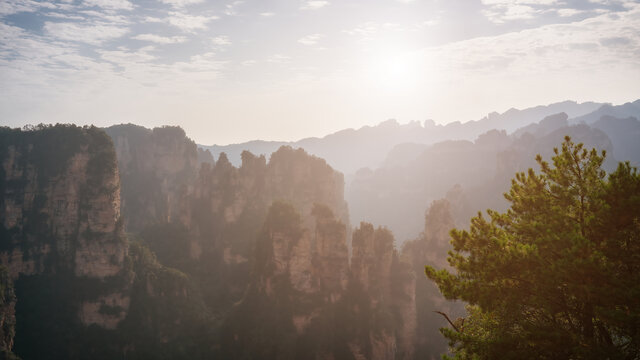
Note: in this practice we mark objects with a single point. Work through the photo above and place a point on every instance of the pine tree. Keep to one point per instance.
(558, 275)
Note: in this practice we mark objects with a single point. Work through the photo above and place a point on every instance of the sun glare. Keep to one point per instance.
(393, 72)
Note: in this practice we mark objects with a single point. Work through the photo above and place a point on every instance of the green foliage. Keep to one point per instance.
(102, 162)
(558, 274)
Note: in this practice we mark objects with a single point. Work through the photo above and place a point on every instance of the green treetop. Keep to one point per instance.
(558, 275)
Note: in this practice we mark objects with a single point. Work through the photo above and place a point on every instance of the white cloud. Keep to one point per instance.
(232, 8)
(585, 44)
(371, 30)
(500, 11)
(310, 39)
(279, 59)
(188, 23)
(519, 2)
(314, 4)
(568, 12)
(160, 39)
(124, 57)
(367, 29)
(267, 14)
(222, 40)
(152, 19)
(180, 3)
(110, 4)
(626, 3)
(58, 15)
(8, 7)
(107, 17)
(90, 34)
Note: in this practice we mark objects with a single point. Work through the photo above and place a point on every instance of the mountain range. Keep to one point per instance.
(137, 243)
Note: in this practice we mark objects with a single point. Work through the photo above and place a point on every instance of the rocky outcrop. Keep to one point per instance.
(157, 170)
(387, 290)
(290, 175)
(63, 223)
(301, 258)
(166, 180)
(331, 259)
(431, 248)
(107, 311)
(310, 261)
(7, 314)
(302, 277)
(373, 254)
(60, 209)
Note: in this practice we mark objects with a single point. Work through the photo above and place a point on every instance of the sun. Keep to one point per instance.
(392, 72)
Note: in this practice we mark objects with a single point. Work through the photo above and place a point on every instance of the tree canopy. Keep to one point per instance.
(558, 275)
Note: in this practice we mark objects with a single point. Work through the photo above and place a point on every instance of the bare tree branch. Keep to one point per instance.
(449, 320)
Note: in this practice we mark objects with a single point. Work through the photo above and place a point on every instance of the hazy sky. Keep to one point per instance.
(231, 71)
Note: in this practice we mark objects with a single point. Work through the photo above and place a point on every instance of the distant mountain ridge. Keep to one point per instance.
(349, 150)
(414, 175)
(630, 109)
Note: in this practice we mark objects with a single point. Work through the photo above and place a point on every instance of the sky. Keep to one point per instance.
(233, 71)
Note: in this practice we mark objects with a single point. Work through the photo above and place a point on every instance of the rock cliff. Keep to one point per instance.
(276, 235)
(157, 169)
(7, 314)
(82, 290)
(219, 261)
(431, 248)
(60, 208)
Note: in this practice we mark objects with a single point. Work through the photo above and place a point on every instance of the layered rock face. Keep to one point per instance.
(224, 262)
(275, 234)
(304, 292)
(60, 210)
(387, 289)
(79, 292)
(157, 170)
(431, 249)
(163, 181)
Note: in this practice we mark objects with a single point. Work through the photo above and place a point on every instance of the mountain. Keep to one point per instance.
(630, 109)
(474, 173)
(128, 246)
(545, 126)
(625, 135)
(349, 150)
(129, 242)
(277, 236)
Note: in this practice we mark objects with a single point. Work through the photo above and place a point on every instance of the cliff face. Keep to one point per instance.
(385, 287)
(79, 292)
(312, 261)
(250, 261)
(157, 169)
(275, 234)
(304, 300)
(166, 180)
(431, 248)
(60, 209)
(7, 314)
(290, 175)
